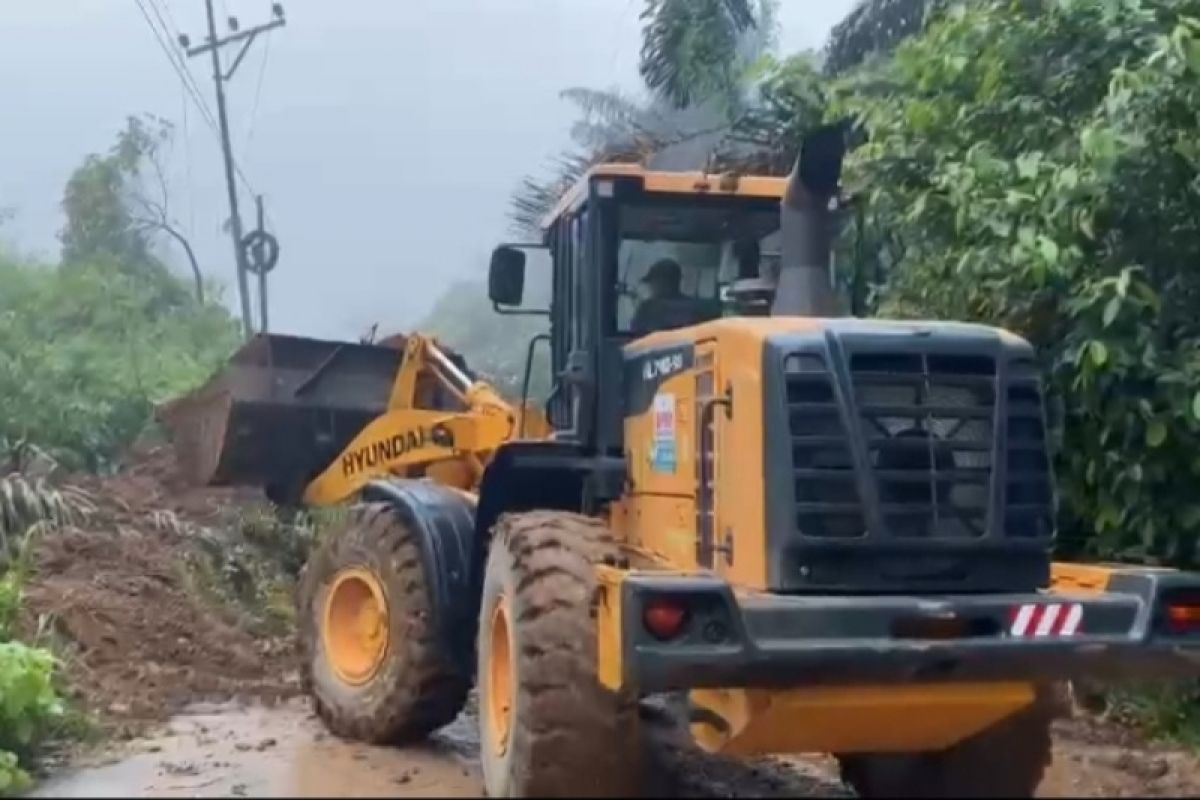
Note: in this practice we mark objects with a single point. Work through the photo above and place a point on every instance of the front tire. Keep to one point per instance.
(1008, 759)
(373, 663)
(547, 726)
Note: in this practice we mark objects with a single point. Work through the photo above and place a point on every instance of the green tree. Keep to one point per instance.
(86, 351)
(116, 204)
(695, 49)
(1033, 165)
(874, 28)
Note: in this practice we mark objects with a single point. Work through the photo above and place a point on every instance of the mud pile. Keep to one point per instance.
(122, 597)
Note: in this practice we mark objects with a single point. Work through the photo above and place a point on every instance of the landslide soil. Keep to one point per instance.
(141, 601)
(134, 598)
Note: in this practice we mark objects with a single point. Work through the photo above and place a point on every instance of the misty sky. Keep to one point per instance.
(387, 135)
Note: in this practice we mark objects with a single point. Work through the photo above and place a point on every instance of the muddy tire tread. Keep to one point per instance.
(1007, 760)
(562, 703)
(418, 690)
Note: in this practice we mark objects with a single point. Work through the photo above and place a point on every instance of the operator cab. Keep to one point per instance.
(613, 239)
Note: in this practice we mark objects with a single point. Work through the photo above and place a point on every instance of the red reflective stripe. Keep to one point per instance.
(1045, 619)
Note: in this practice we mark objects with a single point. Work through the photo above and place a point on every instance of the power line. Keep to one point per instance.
(188, 80)
(180, 71)
(262, 71)
(170, 15)
(187, 155)
(171, 31)
(186, 75)
(212, 47)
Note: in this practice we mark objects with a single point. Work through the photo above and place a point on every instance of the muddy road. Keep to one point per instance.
(235, 749)
(232, 750)
(158, 602)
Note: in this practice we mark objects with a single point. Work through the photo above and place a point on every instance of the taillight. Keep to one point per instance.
(664, 618)
(1180, 614)
(1183, 617)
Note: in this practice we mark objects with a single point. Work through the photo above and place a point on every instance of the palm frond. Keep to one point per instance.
(535, 197)
(875, 27)
(690, 48)
(26, 503)
(610, 107)
(790, 101)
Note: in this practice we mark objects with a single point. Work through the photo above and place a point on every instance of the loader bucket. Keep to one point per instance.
(281, 410)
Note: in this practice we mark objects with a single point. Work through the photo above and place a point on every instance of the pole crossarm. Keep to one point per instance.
(212, 46)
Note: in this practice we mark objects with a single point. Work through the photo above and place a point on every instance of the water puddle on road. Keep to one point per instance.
(281, 751)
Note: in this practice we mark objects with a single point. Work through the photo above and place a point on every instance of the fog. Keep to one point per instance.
(386, 135)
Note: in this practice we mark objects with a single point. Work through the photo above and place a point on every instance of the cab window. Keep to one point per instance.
(695, 234)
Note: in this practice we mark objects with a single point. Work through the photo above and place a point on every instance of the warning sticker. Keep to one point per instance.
(663, 455)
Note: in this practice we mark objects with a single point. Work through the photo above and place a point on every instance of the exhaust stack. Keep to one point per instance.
(807, 227)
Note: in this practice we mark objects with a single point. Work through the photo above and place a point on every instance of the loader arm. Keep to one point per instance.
(408, 440)
(316, 421)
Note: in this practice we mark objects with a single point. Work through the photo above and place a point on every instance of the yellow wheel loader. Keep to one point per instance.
(830, 535)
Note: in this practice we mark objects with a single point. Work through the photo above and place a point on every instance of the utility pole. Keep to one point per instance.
(262, 273)
(213, 45)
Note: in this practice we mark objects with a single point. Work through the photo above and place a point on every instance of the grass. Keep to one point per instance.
(1166, 712)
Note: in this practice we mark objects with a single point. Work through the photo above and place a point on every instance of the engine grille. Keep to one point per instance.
(926, 425)
(826, 490)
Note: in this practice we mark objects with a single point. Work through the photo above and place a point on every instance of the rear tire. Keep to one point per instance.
(547, 726)
(1005, 760)
(401, 686)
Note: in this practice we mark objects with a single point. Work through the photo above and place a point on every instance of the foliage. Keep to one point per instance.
(693, 49)
(788, 101)
(10, 604)
(112, 216)
(86, 351)
(699, 61)
(29, 705)
(25, 504)
(1167, 711)
(1034, 164)
(873, 28)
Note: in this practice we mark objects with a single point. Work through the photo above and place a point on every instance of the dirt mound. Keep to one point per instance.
(122, 596)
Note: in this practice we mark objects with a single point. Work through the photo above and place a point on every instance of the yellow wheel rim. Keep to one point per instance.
(356, 625)
(499, 679)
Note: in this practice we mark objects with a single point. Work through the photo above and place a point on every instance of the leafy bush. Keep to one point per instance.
(87, 350)
(10, 600)
(29, 704)
(1034, 164)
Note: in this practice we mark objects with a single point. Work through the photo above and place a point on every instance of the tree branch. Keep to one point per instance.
(162, 224)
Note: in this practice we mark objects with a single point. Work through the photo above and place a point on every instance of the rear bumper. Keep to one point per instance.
(788, 641)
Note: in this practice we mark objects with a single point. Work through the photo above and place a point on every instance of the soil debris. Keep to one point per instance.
(122, 598)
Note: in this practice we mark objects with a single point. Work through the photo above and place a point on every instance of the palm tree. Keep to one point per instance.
(695, 59)
(875, 27)
(691, 49)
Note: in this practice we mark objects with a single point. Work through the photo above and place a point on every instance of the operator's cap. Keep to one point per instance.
(665, 270)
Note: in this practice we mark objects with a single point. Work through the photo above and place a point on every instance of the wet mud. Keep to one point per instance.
(233, 750)
(260, 751)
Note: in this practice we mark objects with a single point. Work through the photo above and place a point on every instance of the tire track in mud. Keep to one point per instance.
(284, 751)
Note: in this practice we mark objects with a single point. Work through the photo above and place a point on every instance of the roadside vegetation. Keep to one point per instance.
(88, 345)
(31, 708)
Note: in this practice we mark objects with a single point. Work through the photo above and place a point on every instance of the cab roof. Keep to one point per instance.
(662, 182)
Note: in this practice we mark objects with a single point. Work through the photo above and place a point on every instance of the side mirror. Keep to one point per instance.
(506, 276)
